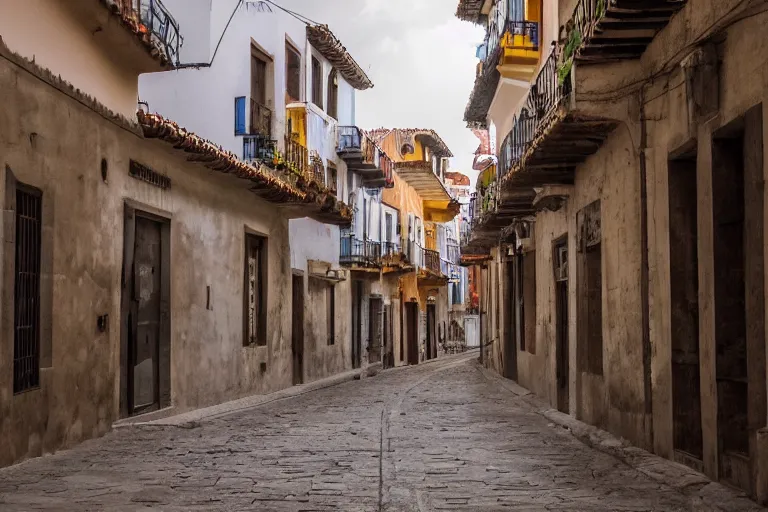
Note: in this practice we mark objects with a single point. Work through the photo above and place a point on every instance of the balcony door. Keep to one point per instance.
(260, 114)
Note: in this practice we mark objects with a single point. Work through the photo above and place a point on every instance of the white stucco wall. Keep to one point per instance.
(50, 34)
(203, 99)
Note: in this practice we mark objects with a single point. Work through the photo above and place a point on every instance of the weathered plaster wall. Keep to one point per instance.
(405, 198)
(615, 400)
(538, 371)
(61, 41)
(212, 90)
(57, 144)
(742, 86)
(321, 359)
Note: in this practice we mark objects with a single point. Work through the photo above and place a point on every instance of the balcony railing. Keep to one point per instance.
(364, 253)
(508, 20)
(353, 139)
(390, 250)
(350, 138)
(296, 156)
(158, 21)
(261, 120)
(431, 261)
(546, 95)
(316, 170)
(257, 147)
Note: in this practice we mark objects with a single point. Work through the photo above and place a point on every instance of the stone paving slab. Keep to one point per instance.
(439, 436)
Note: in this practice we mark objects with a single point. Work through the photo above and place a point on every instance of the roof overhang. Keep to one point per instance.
(325, 42)
(419, 175)
(301, 200)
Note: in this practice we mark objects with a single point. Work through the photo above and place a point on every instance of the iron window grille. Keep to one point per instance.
(144, 173)
(26, 318)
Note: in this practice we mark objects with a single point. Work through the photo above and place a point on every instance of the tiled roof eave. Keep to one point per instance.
(321, 205)
(322, 39)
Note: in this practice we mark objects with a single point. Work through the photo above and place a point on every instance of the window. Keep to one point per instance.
(388, 227)
(333, 94)
(26, 294)
(317, 82)
(589, 282)
(330, 309)
(292, 73)
(260, 114)
(255, 290)
(258, 76)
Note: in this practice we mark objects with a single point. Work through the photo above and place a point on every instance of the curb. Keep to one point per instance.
(704, 494)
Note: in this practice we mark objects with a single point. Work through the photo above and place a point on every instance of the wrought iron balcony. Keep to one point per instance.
(365, 157)
(547, 93)
(431, 261)
(390, 250)
(297, 157)
(361, 253)
(257, 147)
(603, 30)
(154, 20)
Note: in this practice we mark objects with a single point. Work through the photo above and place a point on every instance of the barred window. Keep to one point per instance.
(26, 318)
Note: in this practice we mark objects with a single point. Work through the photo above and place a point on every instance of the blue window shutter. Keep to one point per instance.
(240, 115)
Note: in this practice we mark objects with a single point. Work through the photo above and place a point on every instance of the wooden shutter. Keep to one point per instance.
(240, 115)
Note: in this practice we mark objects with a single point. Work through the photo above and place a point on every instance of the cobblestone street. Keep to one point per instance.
(451, 439)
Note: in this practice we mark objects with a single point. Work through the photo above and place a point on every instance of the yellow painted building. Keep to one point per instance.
(422, 199)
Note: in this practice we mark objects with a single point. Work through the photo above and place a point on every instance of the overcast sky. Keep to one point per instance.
(420, 57)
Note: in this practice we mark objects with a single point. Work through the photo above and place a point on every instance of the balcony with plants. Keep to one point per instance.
(364, 157)
(297, 163)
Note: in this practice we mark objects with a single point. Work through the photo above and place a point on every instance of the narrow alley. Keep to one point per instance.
(451, 437)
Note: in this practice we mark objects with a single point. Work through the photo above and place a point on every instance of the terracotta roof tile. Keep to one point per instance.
(433, 140)
(470, 10)
(321, 37)
(320, 204)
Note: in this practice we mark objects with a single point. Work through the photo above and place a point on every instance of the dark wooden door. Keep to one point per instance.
(375, 331)
(510, 322)
(297, 333)
(431, 332)
(389, 349)
(357, 323)
(144, 349)
(412, 330)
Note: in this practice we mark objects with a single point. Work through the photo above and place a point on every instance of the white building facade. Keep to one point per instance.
(265, 85)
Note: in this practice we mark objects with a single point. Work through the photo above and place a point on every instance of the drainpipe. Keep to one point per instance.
(644, 292)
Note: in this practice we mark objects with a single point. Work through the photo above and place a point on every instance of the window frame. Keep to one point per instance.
(330, 311)
(317, 82)
(332, 108)
(260, 243)
(290, 49)
(37, 356)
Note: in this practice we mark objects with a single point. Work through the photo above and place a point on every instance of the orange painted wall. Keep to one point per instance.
(405, 198)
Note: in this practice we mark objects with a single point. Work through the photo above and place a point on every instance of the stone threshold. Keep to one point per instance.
(704, 494)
